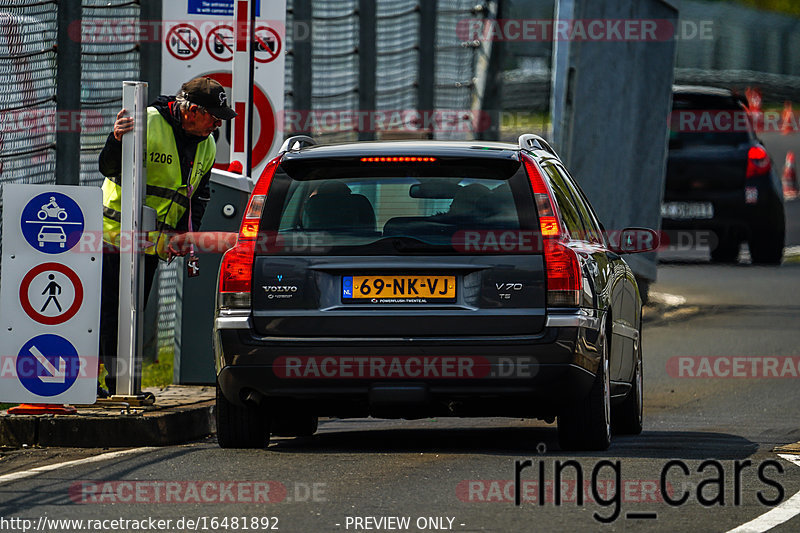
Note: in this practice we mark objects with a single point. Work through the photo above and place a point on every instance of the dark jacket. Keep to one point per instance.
(111, 160)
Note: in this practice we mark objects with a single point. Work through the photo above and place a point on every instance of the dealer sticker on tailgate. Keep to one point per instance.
(398, 289)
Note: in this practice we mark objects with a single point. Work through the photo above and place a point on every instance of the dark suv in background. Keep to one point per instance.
(720, 178)
(418, 279)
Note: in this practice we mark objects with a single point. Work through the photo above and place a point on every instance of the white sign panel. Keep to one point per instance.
(200, 38)
(50, 293)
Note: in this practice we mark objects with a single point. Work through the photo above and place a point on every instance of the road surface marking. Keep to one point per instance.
(780, 514)
(672, 300)
(791, 251)
(47, 468)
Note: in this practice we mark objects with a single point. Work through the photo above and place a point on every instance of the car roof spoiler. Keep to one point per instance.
(529, 141)
(296, 142)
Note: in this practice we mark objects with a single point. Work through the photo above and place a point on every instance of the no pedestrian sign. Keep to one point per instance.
(50, 293)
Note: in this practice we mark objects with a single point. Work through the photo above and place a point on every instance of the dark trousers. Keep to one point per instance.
(109, 308)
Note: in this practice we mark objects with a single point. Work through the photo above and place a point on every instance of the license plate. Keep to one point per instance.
(406, 289)
(687, 210)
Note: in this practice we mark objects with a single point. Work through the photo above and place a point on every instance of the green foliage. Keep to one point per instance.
(159, 374)
(787, 7)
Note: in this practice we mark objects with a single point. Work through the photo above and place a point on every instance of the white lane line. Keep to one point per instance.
(47, 468)
(780, 514)
(672, 300)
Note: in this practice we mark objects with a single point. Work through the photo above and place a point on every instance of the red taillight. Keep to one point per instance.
(236, 270)
(563, 269)
(563, 274)
(548, 220)
(757, 162)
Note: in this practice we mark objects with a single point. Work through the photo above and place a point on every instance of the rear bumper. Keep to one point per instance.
(732, 214)
(501, 376)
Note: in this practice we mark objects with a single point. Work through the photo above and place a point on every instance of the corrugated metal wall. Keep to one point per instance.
(107, 59)
(27, 91)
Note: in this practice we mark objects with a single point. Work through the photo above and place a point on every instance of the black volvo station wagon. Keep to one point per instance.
(424, 278)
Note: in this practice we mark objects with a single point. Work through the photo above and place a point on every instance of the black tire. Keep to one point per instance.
(240, 427)
(626, 418)
(586, 426)
(644, 290)
(767, 248)
(727, 250)
(294, 425)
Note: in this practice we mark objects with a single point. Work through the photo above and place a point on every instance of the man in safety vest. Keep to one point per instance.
(179, 158)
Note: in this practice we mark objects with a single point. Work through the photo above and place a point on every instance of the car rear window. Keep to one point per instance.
(349, 208)
(708, 120)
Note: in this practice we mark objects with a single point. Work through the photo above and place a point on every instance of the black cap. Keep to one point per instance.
(209, 94)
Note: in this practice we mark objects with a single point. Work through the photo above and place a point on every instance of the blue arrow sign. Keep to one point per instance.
(52, 222)
(48, 365)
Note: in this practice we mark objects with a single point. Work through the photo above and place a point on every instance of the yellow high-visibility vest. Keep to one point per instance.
(165, 191)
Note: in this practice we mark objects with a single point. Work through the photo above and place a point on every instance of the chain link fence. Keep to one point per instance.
(28, 63)
(27, 91)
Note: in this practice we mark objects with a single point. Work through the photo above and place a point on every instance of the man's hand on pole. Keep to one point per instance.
(122, 125)
(202, 241)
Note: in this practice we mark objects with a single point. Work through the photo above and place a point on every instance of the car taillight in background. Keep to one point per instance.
(757, 162)
(563, 268)
(236, 269)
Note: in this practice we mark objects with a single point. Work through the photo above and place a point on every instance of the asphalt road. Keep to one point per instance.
(457, 474)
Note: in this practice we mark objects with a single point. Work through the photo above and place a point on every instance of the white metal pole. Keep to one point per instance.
(242, 91)
(131, 299)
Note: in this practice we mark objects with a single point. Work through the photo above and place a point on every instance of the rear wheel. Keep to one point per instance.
(587, 424)
(767, 249)
(627, 416)
(240, 427)
(727, 250)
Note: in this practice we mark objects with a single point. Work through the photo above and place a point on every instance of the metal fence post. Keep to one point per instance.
(131, 299)
(427, 64)
(367, 65)
(150, 51)
(302, 65)
(488, 121)
(68, 95)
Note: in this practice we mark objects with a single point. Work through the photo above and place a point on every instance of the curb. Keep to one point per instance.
(793, 448)
(158, 428)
